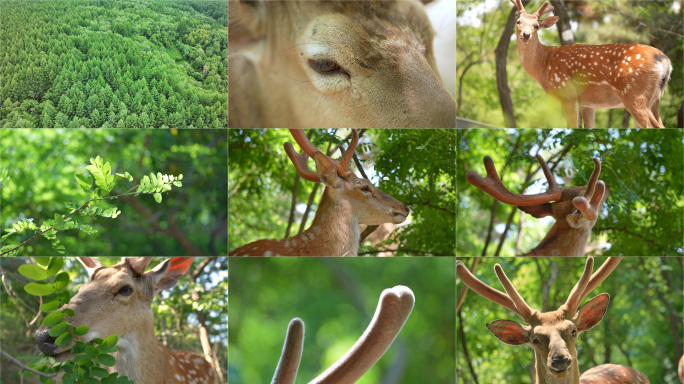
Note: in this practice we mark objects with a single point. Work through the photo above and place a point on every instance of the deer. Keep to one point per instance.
(117, 300)
(347, 202)
(334, 64)
(553, 335)
(575, 209)
(394, 307)
(589, 77)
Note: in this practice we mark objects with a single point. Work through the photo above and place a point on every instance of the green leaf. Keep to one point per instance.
(91, 351)
(69, 312)
(107, 360)
(158, 197)
(64, 339)
(39, 289)
(33, 272)
(80, 331)
(56, 263)
(110, 341)
(99, 372)
(59, 328)
(85, 183)
(61, 280)
(177, 183)
(53, 318)
(50, 306)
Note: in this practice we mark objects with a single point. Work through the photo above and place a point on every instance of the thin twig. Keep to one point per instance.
(24, 367)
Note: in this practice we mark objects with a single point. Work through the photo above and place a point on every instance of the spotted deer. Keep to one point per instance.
(575, 209)
(553, 335)
(334, 64)
(117, 300)
(393, 310)
(347, 202)
(589, 77)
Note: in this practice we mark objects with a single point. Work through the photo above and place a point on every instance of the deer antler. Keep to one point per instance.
(545, 8)
(493, 186)
(518, 4)
(393, 310)
(513, 301)
(589, 210)
(300, 161)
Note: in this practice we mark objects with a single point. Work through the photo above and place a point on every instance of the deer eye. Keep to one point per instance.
(536, 26)
(366, 189)
(125, 291)
(535, 341)
(324, 66)
(574, 332)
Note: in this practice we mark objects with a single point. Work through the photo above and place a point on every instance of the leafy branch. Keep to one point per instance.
(99, 184)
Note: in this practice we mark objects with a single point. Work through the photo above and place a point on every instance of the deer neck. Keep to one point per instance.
(563, 240)
(545, 377)
(534, 57)
(335, 229)
(140, 345)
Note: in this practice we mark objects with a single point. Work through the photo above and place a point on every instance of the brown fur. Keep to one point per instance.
(613, 374)
(384, 47)
(140, 356)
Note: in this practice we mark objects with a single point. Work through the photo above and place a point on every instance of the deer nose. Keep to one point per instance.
(526, 36)
(407, 209)
(561, 363)
(45, 342)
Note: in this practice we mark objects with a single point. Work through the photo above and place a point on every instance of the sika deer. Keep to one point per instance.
(347, 201)
(552, 335)
(117, 300)
(631, 76)
(333, 64)
(575, 209)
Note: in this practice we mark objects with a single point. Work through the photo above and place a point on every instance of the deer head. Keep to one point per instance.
(117, 300)
(393, 310)
(348, 201)
(552, 335)
(356, 64)
(575, 209)
(527, 25)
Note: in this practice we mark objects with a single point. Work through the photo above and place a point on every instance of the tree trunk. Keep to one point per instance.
(501, 53)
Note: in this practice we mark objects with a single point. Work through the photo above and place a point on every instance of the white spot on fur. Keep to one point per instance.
(638, 56)
(268, 253)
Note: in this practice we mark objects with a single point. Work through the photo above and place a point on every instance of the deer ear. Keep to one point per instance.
(538, 211)
(326, 170)
(592, 312)
(166, 274)
(548, 22)
(509, 332)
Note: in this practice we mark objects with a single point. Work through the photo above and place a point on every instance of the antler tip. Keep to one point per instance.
(401, 294)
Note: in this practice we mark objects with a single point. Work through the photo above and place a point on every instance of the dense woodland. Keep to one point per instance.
(113, 64)
(644, 170)
(642, 327)
(486, 37)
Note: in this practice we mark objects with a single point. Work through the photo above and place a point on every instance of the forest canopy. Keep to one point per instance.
(113, 64)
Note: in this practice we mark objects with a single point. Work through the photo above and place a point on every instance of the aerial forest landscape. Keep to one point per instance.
(114, 64)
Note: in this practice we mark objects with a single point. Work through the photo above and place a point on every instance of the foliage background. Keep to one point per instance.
(642, 327)
(37, 170)
(173, 309)
(336, 298)
(481, 23)
(415, 166)
(114, 64)
(644, 169)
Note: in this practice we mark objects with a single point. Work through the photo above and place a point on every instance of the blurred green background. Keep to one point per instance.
(415, 166)
(37, 171)
(644, 169)
(336, 298)
(642, 327)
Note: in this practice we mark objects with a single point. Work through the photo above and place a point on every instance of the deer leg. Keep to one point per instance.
(639, 109)
(656, 114)
(588, 117)
(570, 112)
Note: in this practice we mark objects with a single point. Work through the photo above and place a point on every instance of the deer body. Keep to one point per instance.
(300, 64)
(117, 300)
(348, 201)
(574, 208)
(589, 77)
(553, 335)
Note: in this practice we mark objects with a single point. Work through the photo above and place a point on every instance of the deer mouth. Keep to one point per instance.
(560, 373)
(399, 217)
